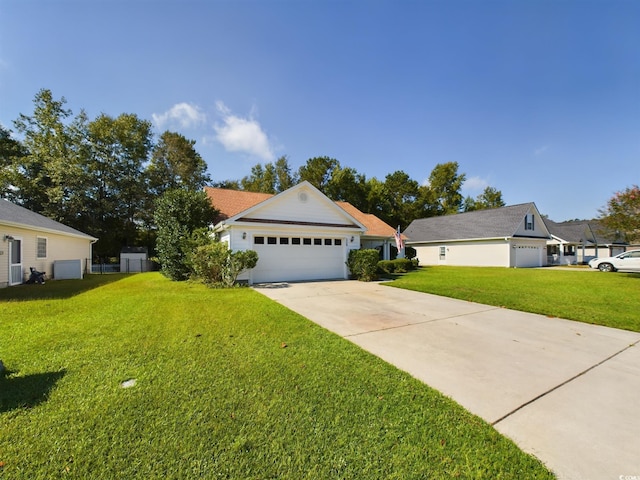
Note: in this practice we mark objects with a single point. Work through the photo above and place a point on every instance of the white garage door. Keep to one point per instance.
(288, 259)
(528, 256)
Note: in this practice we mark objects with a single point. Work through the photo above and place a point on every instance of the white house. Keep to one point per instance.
(28, 239)
(513, 236)
(578, 241)
(299, 234)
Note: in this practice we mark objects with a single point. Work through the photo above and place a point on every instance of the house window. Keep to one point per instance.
(41, 249)
(337, 242)
(443, 253)
(284, 241)
(295, 241)
(272, 240)
(528, 222)
(317, 241)
(306, 241)
(258, 240)
(327, 241)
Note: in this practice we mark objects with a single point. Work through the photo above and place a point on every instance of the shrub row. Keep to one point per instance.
(399, 265)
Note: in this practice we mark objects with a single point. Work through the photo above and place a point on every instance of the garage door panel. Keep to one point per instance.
(298, 262)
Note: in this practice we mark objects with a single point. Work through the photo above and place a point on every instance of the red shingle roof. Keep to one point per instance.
(232, 202)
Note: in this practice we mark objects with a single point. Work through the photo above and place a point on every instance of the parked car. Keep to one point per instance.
(627, 261)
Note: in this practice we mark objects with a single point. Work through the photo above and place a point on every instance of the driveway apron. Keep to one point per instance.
(564, 391)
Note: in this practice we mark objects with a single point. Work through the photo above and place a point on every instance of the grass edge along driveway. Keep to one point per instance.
(608, 299)
(228, 384)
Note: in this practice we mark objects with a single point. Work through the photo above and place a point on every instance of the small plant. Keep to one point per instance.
(363, 264)
(216, 265)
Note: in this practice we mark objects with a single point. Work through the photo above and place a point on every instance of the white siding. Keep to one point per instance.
(292, 206)
(480, 254)
(59, 247)
(490, 253)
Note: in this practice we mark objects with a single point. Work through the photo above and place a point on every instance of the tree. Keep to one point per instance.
(41, 175)
(442, 195)
(175, 163)
(622, 214)
(11, 151)
(489, 198)
(401, 194)
(347, 185)
(272, 178)
(119, 149)
(318, 171)
(181, 216)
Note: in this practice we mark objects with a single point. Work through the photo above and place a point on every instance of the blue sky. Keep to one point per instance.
(539, 99)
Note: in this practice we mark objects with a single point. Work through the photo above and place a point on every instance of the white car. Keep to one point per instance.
(627, 261)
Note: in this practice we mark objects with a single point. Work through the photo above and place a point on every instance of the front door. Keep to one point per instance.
(15, 262)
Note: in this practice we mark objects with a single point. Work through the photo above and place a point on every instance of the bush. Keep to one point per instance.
(363, 264)
(399, 265)
(217, 266)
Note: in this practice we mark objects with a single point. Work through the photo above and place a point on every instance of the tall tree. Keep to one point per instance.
(272, 178)
(11, 151)
(442, 195)
(347, 185)
(43, 170)
(318, 171)
(120, 147)
(622, 214)
(489, 198)
(175, 163)
(179, 214)
(401, 192)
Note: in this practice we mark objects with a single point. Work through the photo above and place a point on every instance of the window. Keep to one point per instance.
(41, 250)
(295, 241)
(258, 240)
(317, 241)
(528, 222)
(337, 242)
(284, 241)
(443, 253)
(272, 240)
(327, 241)
(306, 241)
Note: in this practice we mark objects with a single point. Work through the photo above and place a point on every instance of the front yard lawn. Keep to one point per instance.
(221, 384)
(610, 299)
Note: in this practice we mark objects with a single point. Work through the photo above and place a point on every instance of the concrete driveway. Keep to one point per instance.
(564, 391)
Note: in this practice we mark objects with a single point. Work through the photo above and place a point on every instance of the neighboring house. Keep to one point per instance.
(28, 239)
(299, 234)
(578, 241)
(513, 236)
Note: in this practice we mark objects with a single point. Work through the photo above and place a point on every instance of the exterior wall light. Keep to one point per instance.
(244, 235)
(8, 238)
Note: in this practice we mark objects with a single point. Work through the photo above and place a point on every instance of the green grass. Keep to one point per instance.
(229, 385)
(610, 299)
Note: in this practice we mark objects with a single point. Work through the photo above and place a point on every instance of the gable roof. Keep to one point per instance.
(480, 224)
(375, 226)
(581, 231)
(17, 216)
(231, 203)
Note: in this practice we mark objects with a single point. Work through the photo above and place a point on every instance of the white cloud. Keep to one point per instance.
(239, 134)
(183, 115)
(474, 184)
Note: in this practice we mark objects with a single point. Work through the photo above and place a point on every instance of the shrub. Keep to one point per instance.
(217, 266)
(399, 265)
(363, 264)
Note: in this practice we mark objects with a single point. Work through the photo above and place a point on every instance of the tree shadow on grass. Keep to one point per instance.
(28, 391)
(56, 289)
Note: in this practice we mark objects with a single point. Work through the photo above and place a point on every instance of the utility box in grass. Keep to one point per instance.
(67, 269)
